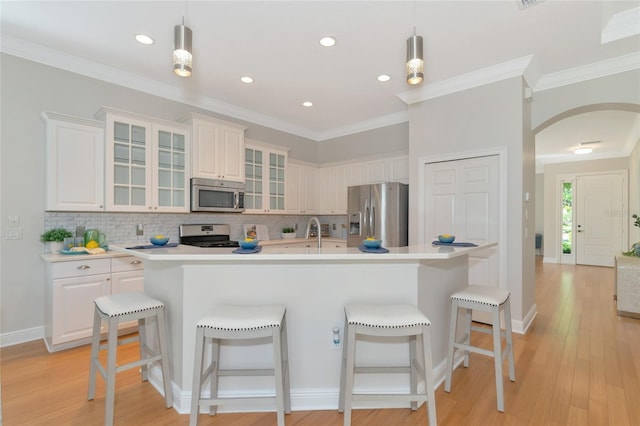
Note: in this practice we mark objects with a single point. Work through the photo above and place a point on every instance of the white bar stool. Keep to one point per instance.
(124, 307)
(487, 299)
(388, 321)
(241, 322)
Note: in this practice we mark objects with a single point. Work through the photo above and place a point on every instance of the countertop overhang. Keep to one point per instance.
(275, 253)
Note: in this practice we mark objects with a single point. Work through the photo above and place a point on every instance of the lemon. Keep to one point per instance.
(248, 240)
(92, 244)
(159, 236)
(446, 235)
(370, 238)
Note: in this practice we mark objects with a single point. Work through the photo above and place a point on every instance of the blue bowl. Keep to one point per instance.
(248, 244)
(372, 244)
(159, 241)
(447, 239)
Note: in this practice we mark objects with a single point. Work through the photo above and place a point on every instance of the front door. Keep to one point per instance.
(600, 218)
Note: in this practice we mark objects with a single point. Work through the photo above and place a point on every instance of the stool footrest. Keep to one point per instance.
(221, 401)
(122, 342)
(247, 372)
(381, 370)
(389, 397)
(137, 363)
(474, 349)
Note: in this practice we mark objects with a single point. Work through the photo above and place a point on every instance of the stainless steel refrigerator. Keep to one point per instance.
(380, 211)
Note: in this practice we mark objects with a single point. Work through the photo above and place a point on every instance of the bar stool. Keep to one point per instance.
(487, 299)
(388, 321)
(241, 322)
(120, 308)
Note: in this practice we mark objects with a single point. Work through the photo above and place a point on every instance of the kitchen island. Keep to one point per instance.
(314, 285)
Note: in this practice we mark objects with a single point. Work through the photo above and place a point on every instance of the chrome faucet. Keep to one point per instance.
(309, 230)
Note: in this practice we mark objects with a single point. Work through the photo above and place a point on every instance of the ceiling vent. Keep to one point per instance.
(523, 4)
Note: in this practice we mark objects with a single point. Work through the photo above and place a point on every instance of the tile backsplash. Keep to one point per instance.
(120, 228)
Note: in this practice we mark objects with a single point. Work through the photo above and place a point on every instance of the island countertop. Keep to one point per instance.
(274, 253)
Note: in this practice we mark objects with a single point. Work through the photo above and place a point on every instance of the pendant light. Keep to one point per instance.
(182, 57)
(415, 61)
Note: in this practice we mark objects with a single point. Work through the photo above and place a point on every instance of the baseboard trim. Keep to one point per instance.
(21, 336)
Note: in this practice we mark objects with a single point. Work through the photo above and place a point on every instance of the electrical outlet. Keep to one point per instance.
(14, 221)
(336, 338)
(14, 234)
(139, 229)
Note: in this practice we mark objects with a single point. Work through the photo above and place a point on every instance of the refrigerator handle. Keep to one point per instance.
(365, 219)
(372, 220)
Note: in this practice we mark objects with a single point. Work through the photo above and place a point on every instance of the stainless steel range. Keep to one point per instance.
(204, 235)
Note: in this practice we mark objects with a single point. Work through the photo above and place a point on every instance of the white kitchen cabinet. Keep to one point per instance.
(399, 169)
(71, 288)
(300, 190)
(265, 183)
(217, 148)
(331, 187)
(74, 163)
(146, 163)
(377, 171)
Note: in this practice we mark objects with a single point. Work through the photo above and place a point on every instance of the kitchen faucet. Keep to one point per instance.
(309, 230)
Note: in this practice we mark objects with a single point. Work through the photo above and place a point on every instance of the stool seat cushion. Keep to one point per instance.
(485, 295)
(126, 303)
(385, 316)
(238, 318)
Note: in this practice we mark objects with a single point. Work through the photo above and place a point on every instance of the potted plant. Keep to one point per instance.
(288, 233)
(635, 249)
(53, 239)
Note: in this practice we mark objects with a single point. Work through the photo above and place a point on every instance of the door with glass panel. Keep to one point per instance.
(264, 180)
(128, 172)
(170, 172)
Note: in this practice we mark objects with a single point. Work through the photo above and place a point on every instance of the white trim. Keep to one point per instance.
(469, 80)
(501, 152)
(21, 336)
(589, 72)
(621, 25)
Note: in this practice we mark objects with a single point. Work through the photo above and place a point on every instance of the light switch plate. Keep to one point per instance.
(14, 221)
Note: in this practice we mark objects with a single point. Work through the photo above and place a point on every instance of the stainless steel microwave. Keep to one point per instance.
(213, 195)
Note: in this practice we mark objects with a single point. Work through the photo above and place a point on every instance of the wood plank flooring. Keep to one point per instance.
(579, 364)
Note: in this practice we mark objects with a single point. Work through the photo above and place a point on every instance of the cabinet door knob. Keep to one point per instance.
(84, 267)
(136, 262)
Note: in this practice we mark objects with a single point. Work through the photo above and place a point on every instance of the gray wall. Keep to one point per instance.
(370, 143)
(484, 117)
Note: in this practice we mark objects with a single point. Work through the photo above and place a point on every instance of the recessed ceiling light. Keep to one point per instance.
(307, 104)
(328, 41)
(384, 77)
(246, 79)
(144, 39)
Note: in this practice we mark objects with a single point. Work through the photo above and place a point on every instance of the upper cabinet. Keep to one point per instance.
(146, 163)
(300, 188)
(74, 163)
(264, 178)
(217, 147)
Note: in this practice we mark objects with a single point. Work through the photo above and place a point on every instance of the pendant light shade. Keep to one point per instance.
(415, 61)
(182, 57)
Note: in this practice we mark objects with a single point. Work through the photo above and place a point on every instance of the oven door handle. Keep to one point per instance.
(236, 199)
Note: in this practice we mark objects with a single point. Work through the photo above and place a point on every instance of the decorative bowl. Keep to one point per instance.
(446, 238)
(159, 241)
(372, 244)
(248, 243)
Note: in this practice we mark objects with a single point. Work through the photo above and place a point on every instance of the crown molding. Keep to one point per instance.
(469, 80)
(363, 126)
(622, 25)
(589, 72)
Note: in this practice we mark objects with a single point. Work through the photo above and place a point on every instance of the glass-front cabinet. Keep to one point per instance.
(146, 164)
(264, 179)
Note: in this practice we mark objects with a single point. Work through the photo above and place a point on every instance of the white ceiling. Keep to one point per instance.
(277, 44)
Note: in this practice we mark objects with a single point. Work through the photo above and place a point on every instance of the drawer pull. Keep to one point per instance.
(84, 267)
(136, 262)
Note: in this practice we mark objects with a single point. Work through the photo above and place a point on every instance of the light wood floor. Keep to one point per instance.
(579, 364)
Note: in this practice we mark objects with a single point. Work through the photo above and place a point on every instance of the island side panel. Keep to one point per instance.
(315, 294)
(438, 281)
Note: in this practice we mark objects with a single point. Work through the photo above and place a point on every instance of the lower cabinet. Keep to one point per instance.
(71, 288)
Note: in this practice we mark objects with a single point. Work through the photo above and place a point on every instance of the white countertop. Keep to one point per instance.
(274, 252)
(57, 257)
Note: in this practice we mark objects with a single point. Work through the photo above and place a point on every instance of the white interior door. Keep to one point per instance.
(600, 222)
(462, 197)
